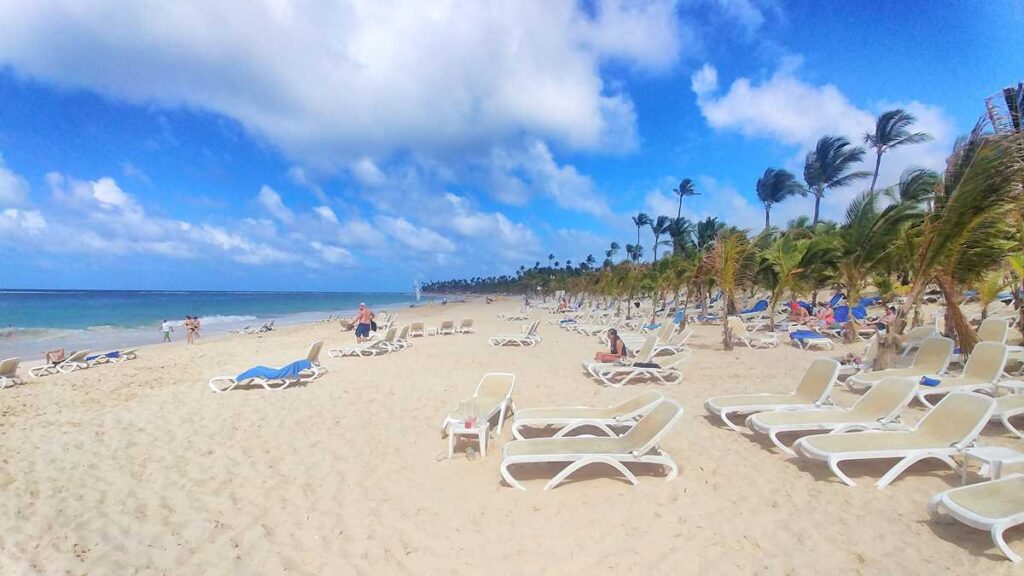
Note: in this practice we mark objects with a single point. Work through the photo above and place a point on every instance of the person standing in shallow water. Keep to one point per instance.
(362, 320)
(166, 327)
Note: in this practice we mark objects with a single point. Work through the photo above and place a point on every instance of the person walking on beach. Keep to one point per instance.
(362, 320)
(190, 330)
(166, 327)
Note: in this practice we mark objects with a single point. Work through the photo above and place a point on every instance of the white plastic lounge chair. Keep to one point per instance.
(812, 392)
(447, 327)
(983, 369)
(991, 330)
(878, 408)
(932, 358)
(402, 339)
(113, 357)
(9, 372)
(807, 339)
(244, 330)
(752, 340)
(996, 506)
(492, 397)
(944, 432)
(465, 326)
(640, 445)
(226, 383)
(370, 348)
(1007, 407)
(666, 371)
(571, 419)
(867, 360)
(74, 362)
(528, 337)
(416, 329)
(514, 316)
(917, 336)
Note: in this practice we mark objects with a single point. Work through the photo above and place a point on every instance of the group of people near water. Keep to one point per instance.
(191, 324)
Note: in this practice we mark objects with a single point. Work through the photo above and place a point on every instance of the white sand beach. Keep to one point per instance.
(139, 468)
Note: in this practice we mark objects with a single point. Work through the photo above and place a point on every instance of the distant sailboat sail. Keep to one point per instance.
(416, 289)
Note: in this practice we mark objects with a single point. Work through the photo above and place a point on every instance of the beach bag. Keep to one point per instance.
(373, 325)
(647, 365)
(55, 356)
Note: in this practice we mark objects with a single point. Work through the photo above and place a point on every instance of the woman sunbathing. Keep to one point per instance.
(617, 348)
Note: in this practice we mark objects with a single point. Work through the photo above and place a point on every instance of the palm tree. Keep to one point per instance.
(681, 230)
(891, 131)
(707, 230)
(732, 260)
(659, 227)
(828, 167)
(635, 252)
(774, 187)
(782, 267)
(640, 220)
(685, 189)
(968, 230)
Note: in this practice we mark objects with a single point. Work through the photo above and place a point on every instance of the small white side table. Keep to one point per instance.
(992, 458)
(1012, 386)
(481, 431)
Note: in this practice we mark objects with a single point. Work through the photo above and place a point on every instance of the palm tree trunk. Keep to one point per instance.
(964, 333)
(878, 163)
(767, 218)
(817, 204)
(679, 211)
(726, 335)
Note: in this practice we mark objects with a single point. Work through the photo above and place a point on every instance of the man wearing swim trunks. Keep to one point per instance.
(362, 321)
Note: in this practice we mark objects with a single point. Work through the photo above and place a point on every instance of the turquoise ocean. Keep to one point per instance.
(33, 321)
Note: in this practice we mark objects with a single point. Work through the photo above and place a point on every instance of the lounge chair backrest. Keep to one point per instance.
(314, 352)
(993, 330)
(987, 361)
(446, 324)
(641, 403)
(817, 381)
(673, 360)
(646, 350)
(404, 333)
(389, 336)
(739, 329)
(664, 331)
(9, 366)
(417, 326)
(652, 427)
(467, 323)
(870, 352)
(934, 355)
(496, 385)
(883, 400)
(78, 356)
(921, 332)
(957, 419)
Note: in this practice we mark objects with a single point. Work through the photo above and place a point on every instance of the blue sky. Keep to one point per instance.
(357, 145)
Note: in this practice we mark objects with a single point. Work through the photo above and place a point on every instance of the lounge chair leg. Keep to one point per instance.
(724, 415)
(833, 463)
(509, 479)
(997, 537)
(1006, 422)
(909, 461)
(561, 476)
(501, 416)
(774, 436)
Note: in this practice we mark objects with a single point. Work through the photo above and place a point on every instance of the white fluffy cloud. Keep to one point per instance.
(331, 81)
(271, 201)
(13, 188)
(792, 111)
(517, 172)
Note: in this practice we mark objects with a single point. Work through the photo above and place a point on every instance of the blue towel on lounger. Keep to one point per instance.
(289, 372)
(805, 334)
(110, 355)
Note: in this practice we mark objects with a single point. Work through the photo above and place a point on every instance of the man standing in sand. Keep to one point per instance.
(362, 320)
(166, 327)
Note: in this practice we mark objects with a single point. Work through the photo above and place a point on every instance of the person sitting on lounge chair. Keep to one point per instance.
(887, 319)
(617, 348)
(797, 313)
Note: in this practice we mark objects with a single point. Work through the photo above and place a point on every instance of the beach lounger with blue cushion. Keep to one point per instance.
(304, 370)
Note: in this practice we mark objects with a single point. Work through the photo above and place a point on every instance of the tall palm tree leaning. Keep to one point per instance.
(685, 189)
(891, 131)
(640, 220)
(659, 227)
(828, 166)
(774, 187)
